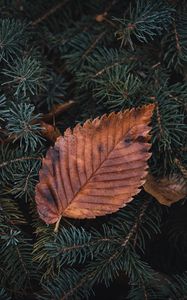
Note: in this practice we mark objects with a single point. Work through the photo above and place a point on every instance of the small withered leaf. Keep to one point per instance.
(97, 168)
(166, 190)
(50, 132)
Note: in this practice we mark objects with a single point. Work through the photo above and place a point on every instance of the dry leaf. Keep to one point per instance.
(50, 132)
(95, 169)
(166, 190)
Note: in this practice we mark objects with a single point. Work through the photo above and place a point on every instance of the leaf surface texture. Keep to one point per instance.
(97, 168)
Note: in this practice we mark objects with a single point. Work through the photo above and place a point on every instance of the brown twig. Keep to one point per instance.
(57, 110)
(49, 12)
(159, 119)
(182, 169)
(156, 65)
(177, 38)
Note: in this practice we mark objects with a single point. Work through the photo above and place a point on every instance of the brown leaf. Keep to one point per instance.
(50, 132)
(95, 169)
(166, 190)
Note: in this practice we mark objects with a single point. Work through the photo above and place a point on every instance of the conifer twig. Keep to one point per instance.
(182, 169)
(93, 45)
(80, 283)
(27, 178)
(136, 224)
(113, 256)
(75, 247)
(159, 122)
(5, 163)
(22, 261)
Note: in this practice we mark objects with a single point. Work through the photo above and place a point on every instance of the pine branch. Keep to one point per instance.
(93, 45)
(134, 230)
(6, 163)
(79, 284)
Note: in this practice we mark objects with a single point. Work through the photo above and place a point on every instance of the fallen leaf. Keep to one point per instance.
(166, 190)
(97, 168)
(50, 132)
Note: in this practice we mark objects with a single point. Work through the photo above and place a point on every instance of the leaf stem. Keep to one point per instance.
(57, 224)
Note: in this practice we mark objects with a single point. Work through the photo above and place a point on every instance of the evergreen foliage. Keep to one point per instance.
(106, 56)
